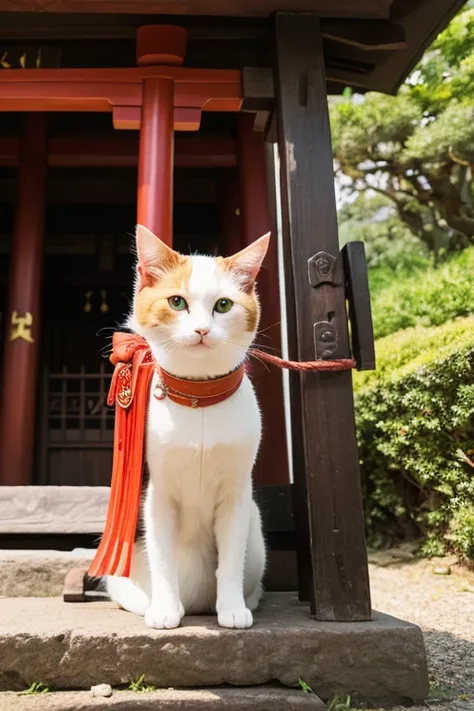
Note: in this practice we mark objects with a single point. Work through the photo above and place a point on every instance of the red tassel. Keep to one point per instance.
(114, 554)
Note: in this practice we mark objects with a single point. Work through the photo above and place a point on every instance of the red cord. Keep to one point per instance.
(321, 365)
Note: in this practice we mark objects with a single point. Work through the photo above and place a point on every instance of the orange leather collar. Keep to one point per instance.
(197, 393)
(131, 354)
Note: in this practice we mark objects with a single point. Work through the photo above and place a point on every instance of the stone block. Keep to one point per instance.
(75, 646)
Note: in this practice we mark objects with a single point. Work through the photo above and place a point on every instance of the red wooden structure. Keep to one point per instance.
(100, 96)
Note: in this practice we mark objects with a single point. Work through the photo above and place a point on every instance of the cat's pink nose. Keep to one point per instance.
(201, 331)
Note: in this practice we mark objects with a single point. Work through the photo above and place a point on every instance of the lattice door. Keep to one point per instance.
(77, 438)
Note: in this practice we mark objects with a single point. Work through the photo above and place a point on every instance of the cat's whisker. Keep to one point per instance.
(267, 328)
(263, 347)
(256, 357)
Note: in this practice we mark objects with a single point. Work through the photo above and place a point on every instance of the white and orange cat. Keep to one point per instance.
(203, 549)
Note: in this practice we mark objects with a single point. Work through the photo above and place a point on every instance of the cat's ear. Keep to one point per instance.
(154, 257)
(246, 263)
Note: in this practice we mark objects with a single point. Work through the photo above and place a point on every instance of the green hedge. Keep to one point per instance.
(415, 418)
(428, 297)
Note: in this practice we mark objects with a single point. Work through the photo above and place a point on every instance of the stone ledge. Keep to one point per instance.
(53, 509)
(74, 646)
(38, 573)
(251, 698)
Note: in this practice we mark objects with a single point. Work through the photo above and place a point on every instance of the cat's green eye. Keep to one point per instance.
(177, 303)
(223, 306)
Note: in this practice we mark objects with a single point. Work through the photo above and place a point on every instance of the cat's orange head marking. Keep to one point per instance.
(163, 273)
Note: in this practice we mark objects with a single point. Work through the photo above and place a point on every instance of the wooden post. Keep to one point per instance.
(155, 160)
(298, 489)
(22, 332)
(272, 462)
(316, 301)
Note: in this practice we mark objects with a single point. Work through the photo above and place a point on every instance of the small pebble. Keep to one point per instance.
(442, 570)
(101, 690)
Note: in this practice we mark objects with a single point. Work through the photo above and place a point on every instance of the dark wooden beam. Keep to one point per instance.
(368, 35)
(257, 89)
(340, 583)
(360, 312)
(121, 151)
(258, 82)
(232, 8)
(365, 34)
(120, 190)
(21, 26)
(346, 77)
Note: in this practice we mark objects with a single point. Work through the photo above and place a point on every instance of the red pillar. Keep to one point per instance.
(158, 44)
(155, 159)
(22, 332)
(272, 463)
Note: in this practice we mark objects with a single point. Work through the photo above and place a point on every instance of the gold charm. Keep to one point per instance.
(124, 394)
(21, 327)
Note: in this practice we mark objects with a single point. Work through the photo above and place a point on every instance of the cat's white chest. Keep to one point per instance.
(195, 451)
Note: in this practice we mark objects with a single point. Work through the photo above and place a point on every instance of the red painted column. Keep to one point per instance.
(22, 318)
(155, 159)
(272, 463)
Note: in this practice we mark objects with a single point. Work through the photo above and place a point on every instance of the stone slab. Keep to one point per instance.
(247, 699)
(53, 509)
(74, 646)
(38, 573)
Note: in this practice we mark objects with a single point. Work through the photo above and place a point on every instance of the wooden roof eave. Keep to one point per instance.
(421, 28)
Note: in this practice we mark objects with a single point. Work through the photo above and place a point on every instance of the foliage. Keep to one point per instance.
(461, 532)
(139, 685)
(429, 296)
(392, 251)
(415, 415)
(340, 704)
(305, 687)
(417, 148)
(37, 687)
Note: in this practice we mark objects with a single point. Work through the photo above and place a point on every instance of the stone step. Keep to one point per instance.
(260, 698)
(75, 646)
(39, 573)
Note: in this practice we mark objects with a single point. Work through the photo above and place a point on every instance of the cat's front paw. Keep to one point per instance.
(164, 618)
(235, 618)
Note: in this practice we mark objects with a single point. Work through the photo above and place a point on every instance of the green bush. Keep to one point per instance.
(461, 532)
(428, 297)
(415, 418)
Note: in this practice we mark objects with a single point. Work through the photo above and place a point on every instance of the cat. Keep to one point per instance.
(203, 549)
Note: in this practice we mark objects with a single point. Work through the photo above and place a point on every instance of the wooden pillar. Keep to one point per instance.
(165, 45)
(272, 462)
(316, 304)
(155, 159)
(22, 319)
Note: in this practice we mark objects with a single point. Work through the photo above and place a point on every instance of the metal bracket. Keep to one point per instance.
(324, 268)
(325, 340)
